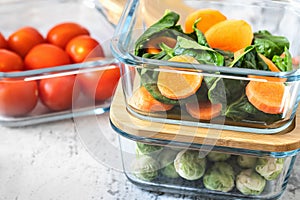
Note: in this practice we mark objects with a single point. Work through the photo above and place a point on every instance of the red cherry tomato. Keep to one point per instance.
(24, 39)
(84, 47)
(10, 61)
(99, 85)
(3, 42)
(17, 97)
(46, 55)
(62, 33)
(58, 93)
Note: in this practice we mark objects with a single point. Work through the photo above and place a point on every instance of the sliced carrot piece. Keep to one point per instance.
(203, 110)
(143, 101)
(179, 85)
(229, 35)
(208, 17)
(268, 97)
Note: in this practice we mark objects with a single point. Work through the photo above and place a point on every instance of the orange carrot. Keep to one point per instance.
(174, 85)
(203, 110)
(208, 17)
(229, 35)
(268, 97)
(143, 101)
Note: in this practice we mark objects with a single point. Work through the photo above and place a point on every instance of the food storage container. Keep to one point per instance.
(203, 162)
(43, 15)
(224, 87)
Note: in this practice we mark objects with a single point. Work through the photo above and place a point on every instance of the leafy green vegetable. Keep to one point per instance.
(242, 109)
(283, 63)
(145, 168)
(250, 59)
(190, 165)
(249, 182)
(228, 91)
(269, 168)
(220, 177)
(270, 45)
(202, 54)
(168, 21)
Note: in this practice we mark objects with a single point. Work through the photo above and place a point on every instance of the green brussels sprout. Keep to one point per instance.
(249, 182)
(189, 164)
(217, 156)
(166, 159)
(147, 149)
(145, 168)
(219, 177)
(246, 161)
(269, 168)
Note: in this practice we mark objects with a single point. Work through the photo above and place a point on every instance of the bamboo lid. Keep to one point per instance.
(137, 128)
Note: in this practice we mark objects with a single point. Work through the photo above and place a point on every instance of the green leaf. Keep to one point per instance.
(202, 54)
(250, 59)
(270, 45)
(283, 63)
(169, 20)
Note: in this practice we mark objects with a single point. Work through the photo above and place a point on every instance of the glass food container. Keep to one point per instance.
(43, 15)
(226, 89)
(203, 162)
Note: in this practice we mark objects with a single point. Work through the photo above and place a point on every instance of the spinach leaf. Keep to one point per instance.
(197, 35)
(168, 21)
(250, 60)
(202, 54)
(225, 90)
(283, 63)
(242, 109)
(270, 45)
(228, 56)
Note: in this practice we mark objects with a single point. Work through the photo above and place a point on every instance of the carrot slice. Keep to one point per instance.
(143, 101)
(177, 85)
(203, 110)
(268, 97)
(208, 18)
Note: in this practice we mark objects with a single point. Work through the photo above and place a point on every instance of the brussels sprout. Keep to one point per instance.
(220, 177)
(216, 156)
(269, 168)
(166, 159)
(147, 149)
(190, 165)
(246, 161)
(145, 168)
(249, 182)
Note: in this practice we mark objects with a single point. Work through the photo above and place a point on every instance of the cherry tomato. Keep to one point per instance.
(46, 55)
(17, 97)
(22, 40)
(62, 33)
(83, 47)
(3, 42)
(10, 61)
(99, 85)
(58, 93)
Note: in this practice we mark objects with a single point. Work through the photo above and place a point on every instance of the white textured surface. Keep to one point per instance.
(49, 162)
